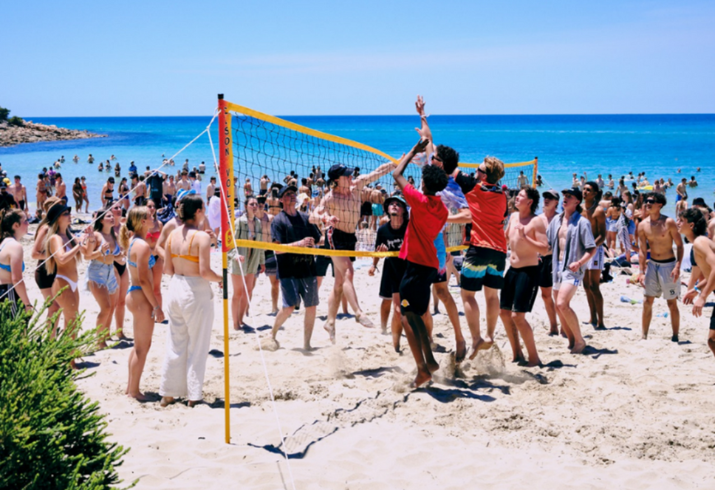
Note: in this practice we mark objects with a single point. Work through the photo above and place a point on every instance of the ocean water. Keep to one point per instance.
(615, 144)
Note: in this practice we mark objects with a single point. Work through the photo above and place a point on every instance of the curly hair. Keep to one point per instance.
(434, 179)
(449, 157)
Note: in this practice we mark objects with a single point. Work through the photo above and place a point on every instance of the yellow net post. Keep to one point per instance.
(227, 190)
(536, 171)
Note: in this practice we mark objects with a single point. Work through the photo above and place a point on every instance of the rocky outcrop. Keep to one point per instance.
(11, 135)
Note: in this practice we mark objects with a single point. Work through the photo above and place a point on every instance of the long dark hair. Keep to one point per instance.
(8, 218)
(188, 207)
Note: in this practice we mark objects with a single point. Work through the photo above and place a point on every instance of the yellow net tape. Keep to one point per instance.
(275, 247)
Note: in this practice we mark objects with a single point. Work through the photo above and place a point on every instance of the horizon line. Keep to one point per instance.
(410, 115)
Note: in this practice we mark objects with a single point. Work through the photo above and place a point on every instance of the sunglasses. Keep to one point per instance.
(650, 201)
(435, 157)
(479, 169)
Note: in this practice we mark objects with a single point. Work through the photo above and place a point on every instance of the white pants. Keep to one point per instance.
(191, 315)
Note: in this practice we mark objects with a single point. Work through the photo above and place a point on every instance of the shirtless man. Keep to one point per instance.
(60, 187)
(661, 273)
(169, 186)
(546, 281)
(264, 185)
(692, 225)
(274, 204)
(610, 184)
(184, 183)
(594, 213)
(600, 182)
(247, 189)
(693, 182)
(681, 191)
(339, 210)
(526, 238)
(571, 240)
(41, 191)
(521, 180)
(305, 187)
(139, 190)
(19, 192)
(210, 189)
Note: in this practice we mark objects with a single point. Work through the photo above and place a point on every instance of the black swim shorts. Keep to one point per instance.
(546, 277)
(415, 288)
(520, 287)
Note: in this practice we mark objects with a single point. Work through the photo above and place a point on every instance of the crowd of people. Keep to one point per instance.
(160, 224)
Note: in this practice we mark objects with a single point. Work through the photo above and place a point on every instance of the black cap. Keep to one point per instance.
(56, 211)
(287, 188)
(575, 192)
(699, 201)
(337, 171)
(552, 194)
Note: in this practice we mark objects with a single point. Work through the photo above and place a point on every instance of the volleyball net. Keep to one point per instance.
(262, 153)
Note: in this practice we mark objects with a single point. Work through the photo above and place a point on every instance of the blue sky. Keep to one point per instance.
(371, 57)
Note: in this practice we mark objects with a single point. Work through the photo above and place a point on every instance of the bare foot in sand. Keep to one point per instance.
(330, 328)
(519, 358)
(423, 377)
(480, 344)
(578, 348)
(193, 403)
(167, 400)
(553, 332)
(563, 334)
(140, 397)
(363, 320)
(432, 367)
(461, 352)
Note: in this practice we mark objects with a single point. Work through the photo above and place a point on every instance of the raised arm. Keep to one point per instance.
(397, 174)
(383, 169)
(424, 130)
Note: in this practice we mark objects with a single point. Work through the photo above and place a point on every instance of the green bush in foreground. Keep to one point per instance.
(51, 434)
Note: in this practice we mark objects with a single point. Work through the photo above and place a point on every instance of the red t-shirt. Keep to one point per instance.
(427, 217)
(488, 206)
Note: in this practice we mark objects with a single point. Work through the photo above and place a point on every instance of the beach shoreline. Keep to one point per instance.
(31, 132)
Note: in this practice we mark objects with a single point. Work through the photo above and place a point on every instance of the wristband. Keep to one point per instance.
(696, 288)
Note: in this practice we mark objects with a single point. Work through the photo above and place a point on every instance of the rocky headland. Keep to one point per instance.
(29, 132)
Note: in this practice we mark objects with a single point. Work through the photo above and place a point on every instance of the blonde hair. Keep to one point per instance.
(132, 225)
(495, 169)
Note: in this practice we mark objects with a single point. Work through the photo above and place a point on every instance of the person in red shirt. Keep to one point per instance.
(485, 260)
(421, 255)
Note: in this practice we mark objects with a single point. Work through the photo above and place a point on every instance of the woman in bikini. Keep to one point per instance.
(41, 190)
(62, 261)
(248, 227)
(141, 301)
(44, 279)
(189, 305)
(100, 249)
(77, 192)
(108, 192)
(152, 238)
(85, 195)
(124, 193)
(120, 266)
(13, 226)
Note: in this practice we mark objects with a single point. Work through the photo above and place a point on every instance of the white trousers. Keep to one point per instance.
(191, 315)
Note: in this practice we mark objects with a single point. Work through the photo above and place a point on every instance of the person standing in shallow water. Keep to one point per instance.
(660, 271)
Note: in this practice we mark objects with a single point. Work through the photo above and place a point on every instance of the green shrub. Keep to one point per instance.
(4, 114)
(51, 434)
(16, 121)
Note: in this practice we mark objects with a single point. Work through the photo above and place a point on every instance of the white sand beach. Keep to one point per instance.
(629, 414)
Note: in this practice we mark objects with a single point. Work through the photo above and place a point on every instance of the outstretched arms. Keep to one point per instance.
(397, 173)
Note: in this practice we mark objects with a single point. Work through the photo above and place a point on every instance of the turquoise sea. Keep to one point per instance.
(616, 144)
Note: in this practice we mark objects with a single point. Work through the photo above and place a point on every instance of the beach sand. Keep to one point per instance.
(630, 414)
